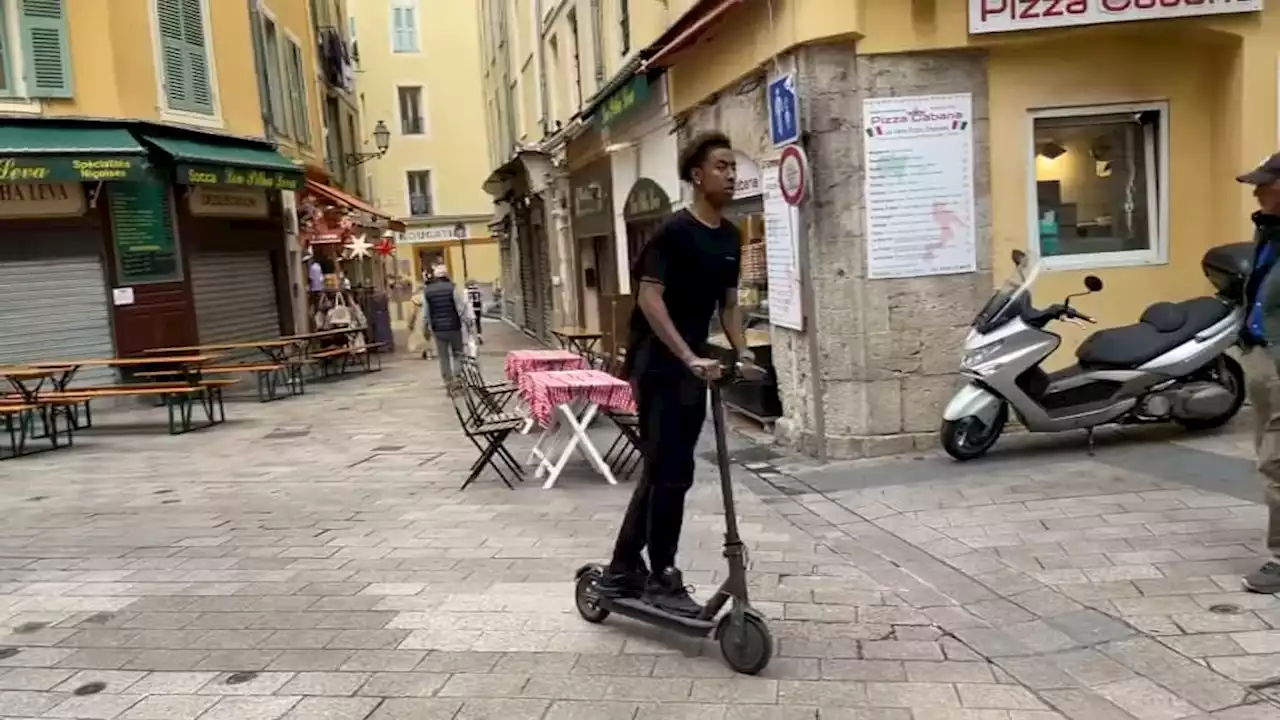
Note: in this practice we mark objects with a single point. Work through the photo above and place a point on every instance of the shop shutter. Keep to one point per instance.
(55, 301)
(527, 292)
(235, 294)
(546, 300)
(46, 48)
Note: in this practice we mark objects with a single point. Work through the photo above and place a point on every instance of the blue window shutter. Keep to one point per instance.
(46, 48)
(6, 58)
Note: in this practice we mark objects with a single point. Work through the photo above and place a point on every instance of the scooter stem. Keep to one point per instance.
(722, 460)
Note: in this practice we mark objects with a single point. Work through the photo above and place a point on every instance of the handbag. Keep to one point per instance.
(357, 316)
(339, 315)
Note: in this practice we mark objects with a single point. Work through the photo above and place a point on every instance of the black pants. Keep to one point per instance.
(672, 409)
(476, 309)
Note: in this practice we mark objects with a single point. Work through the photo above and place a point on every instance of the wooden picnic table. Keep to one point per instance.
(277, 351)
(578, 339)
(65, 370)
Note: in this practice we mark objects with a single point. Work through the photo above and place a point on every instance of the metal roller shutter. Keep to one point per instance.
(546, 300)
(528, 291)
(53, 301)
(235, 296)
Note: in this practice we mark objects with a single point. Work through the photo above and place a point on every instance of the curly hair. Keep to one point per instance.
(696, 151)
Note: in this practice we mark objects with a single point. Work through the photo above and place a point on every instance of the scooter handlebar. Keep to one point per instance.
(1077, 315)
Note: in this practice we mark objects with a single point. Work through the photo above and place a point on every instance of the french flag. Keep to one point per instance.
(959, 124)
(874, 131)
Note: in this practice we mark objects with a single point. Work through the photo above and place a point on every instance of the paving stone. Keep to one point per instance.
(93, 707)
(332, 708)
(250, 708)
(1145, 700)
(324, 683)
(574, 710)
(417, 709)
(169, 707)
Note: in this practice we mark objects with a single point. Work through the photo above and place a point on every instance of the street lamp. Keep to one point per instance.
(381, 140)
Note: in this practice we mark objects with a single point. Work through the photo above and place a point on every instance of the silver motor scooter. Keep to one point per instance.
(1171, 366)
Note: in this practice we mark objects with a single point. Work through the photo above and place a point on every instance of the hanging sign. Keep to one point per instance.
(41, 200)
(746, 179)
(439, 233)
(992, 16)
(213, 201)
(918, 185)
(793, 174)
(781, 247)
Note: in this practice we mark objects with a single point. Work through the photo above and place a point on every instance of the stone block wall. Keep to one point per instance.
(888, 349)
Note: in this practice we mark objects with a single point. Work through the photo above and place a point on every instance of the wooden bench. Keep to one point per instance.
(178, 399)
(345, 355)
(18, 418)
(269, 376)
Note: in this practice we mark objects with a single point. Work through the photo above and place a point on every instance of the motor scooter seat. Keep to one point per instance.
(1162, 327)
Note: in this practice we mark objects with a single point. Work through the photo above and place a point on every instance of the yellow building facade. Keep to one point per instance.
(418, 64)
(148, 178)
(1103, 137)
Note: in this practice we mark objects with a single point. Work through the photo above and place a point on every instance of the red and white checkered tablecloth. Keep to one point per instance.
(520, 362)
(543, 391)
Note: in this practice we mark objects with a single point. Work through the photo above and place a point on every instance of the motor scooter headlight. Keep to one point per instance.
(980, 355)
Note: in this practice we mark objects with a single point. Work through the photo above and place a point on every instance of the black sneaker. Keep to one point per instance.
(616, 585)
(668, 593)
(1265, 580)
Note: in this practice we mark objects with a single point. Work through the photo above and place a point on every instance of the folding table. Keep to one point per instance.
(565, 402)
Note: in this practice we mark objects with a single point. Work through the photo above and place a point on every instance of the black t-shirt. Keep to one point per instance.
(696, 266)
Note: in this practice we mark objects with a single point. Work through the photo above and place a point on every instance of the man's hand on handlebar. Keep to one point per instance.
(705, 368)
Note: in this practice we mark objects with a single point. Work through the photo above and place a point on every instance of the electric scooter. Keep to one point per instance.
(742, 632)
(1170, 366)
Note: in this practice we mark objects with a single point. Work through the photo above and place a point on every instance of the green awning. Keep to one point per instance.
(56, 153)
(243, 165)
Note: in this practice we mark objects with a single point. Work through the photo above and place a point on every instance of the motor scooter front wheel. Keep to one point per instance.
(586, 596)
(969, 437)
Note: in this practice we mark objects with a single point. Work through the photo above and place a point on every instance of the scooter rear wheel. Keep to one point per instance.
(586, 597)
(747, 647)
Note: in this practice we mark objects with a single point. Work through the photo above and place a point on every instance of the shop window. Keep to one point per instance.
(34, 50)
(298, 94)
(411, 119)
(404, 26)
(421, 198)
(275, 82)
(1100, 185)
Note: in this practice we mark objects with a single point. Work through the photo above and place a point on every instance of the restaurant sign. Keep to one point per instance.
(624, 100)
(992, 16)
(60, 168)
(207, 201)
(239, 177)
(41, 200)
(437, 234)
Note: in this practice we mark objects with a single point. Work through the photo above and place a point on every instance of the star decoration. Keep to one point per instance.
(358, 247)
(385, 247)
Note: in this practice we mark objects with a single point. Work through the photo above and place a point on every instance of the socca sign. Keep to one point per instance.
(993, 16)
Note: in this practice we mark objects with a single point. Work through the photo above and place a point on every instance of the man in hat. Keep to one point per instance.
(1261, 340)
(448, 313)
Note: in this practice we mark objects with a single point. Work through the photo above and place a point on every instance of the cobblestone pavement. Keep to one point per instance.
(314, 559)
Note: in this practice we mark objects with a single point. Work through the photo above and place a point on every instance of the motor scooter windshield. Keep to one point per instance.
(1010, 299)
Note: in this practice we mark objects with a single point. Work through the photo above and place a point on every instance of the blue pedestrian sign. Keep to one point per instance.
(784, 115)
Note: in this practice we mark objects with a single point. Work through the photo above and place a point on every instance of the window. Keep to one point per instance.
(624, 25)
(404, 26)
(298, 94)
(275, 83)
(411, 122)
(576, 69)
(1100, 193)
(35, 50)
(421, 200)
(553, 80)
(188, 82)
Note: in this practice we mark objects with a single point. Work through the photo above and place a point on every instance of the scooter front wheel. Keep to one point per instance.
(586, 596)
(969, 437)
(747, 646)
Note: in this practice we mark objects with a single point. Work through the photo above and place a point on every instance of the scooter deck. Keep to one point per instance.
(638, 610)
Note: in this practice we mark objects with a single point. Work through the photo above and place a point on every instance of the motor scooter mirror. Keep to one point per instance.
(1092, 283)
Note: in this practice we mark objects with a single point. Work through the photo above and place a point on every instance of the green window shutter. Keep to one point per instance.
(6, 58)
(46, 48)
(185, 56)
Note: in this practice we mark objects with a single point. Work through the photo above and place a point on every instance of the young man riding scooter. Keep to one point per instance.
(1261, 339)
(684, 273)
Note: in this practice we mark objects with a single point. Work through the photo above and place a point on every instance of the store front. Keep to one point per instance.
(522, 192)
(466, 250)
(1117, 162)
(53, 233)
(595, 249)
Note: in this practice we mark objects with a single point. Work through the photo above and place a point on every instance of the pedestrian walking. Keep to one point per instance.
(1261, 340)
(477, 307)
(449, 315)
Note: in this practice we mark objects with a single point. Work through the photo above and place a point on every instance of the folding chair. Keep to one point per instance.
(495, 396)
(624, 455)
(488, 432)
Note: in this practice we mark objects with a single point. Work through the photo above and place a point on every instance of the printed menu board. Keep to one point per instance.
(142, 232)
(918, 161)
